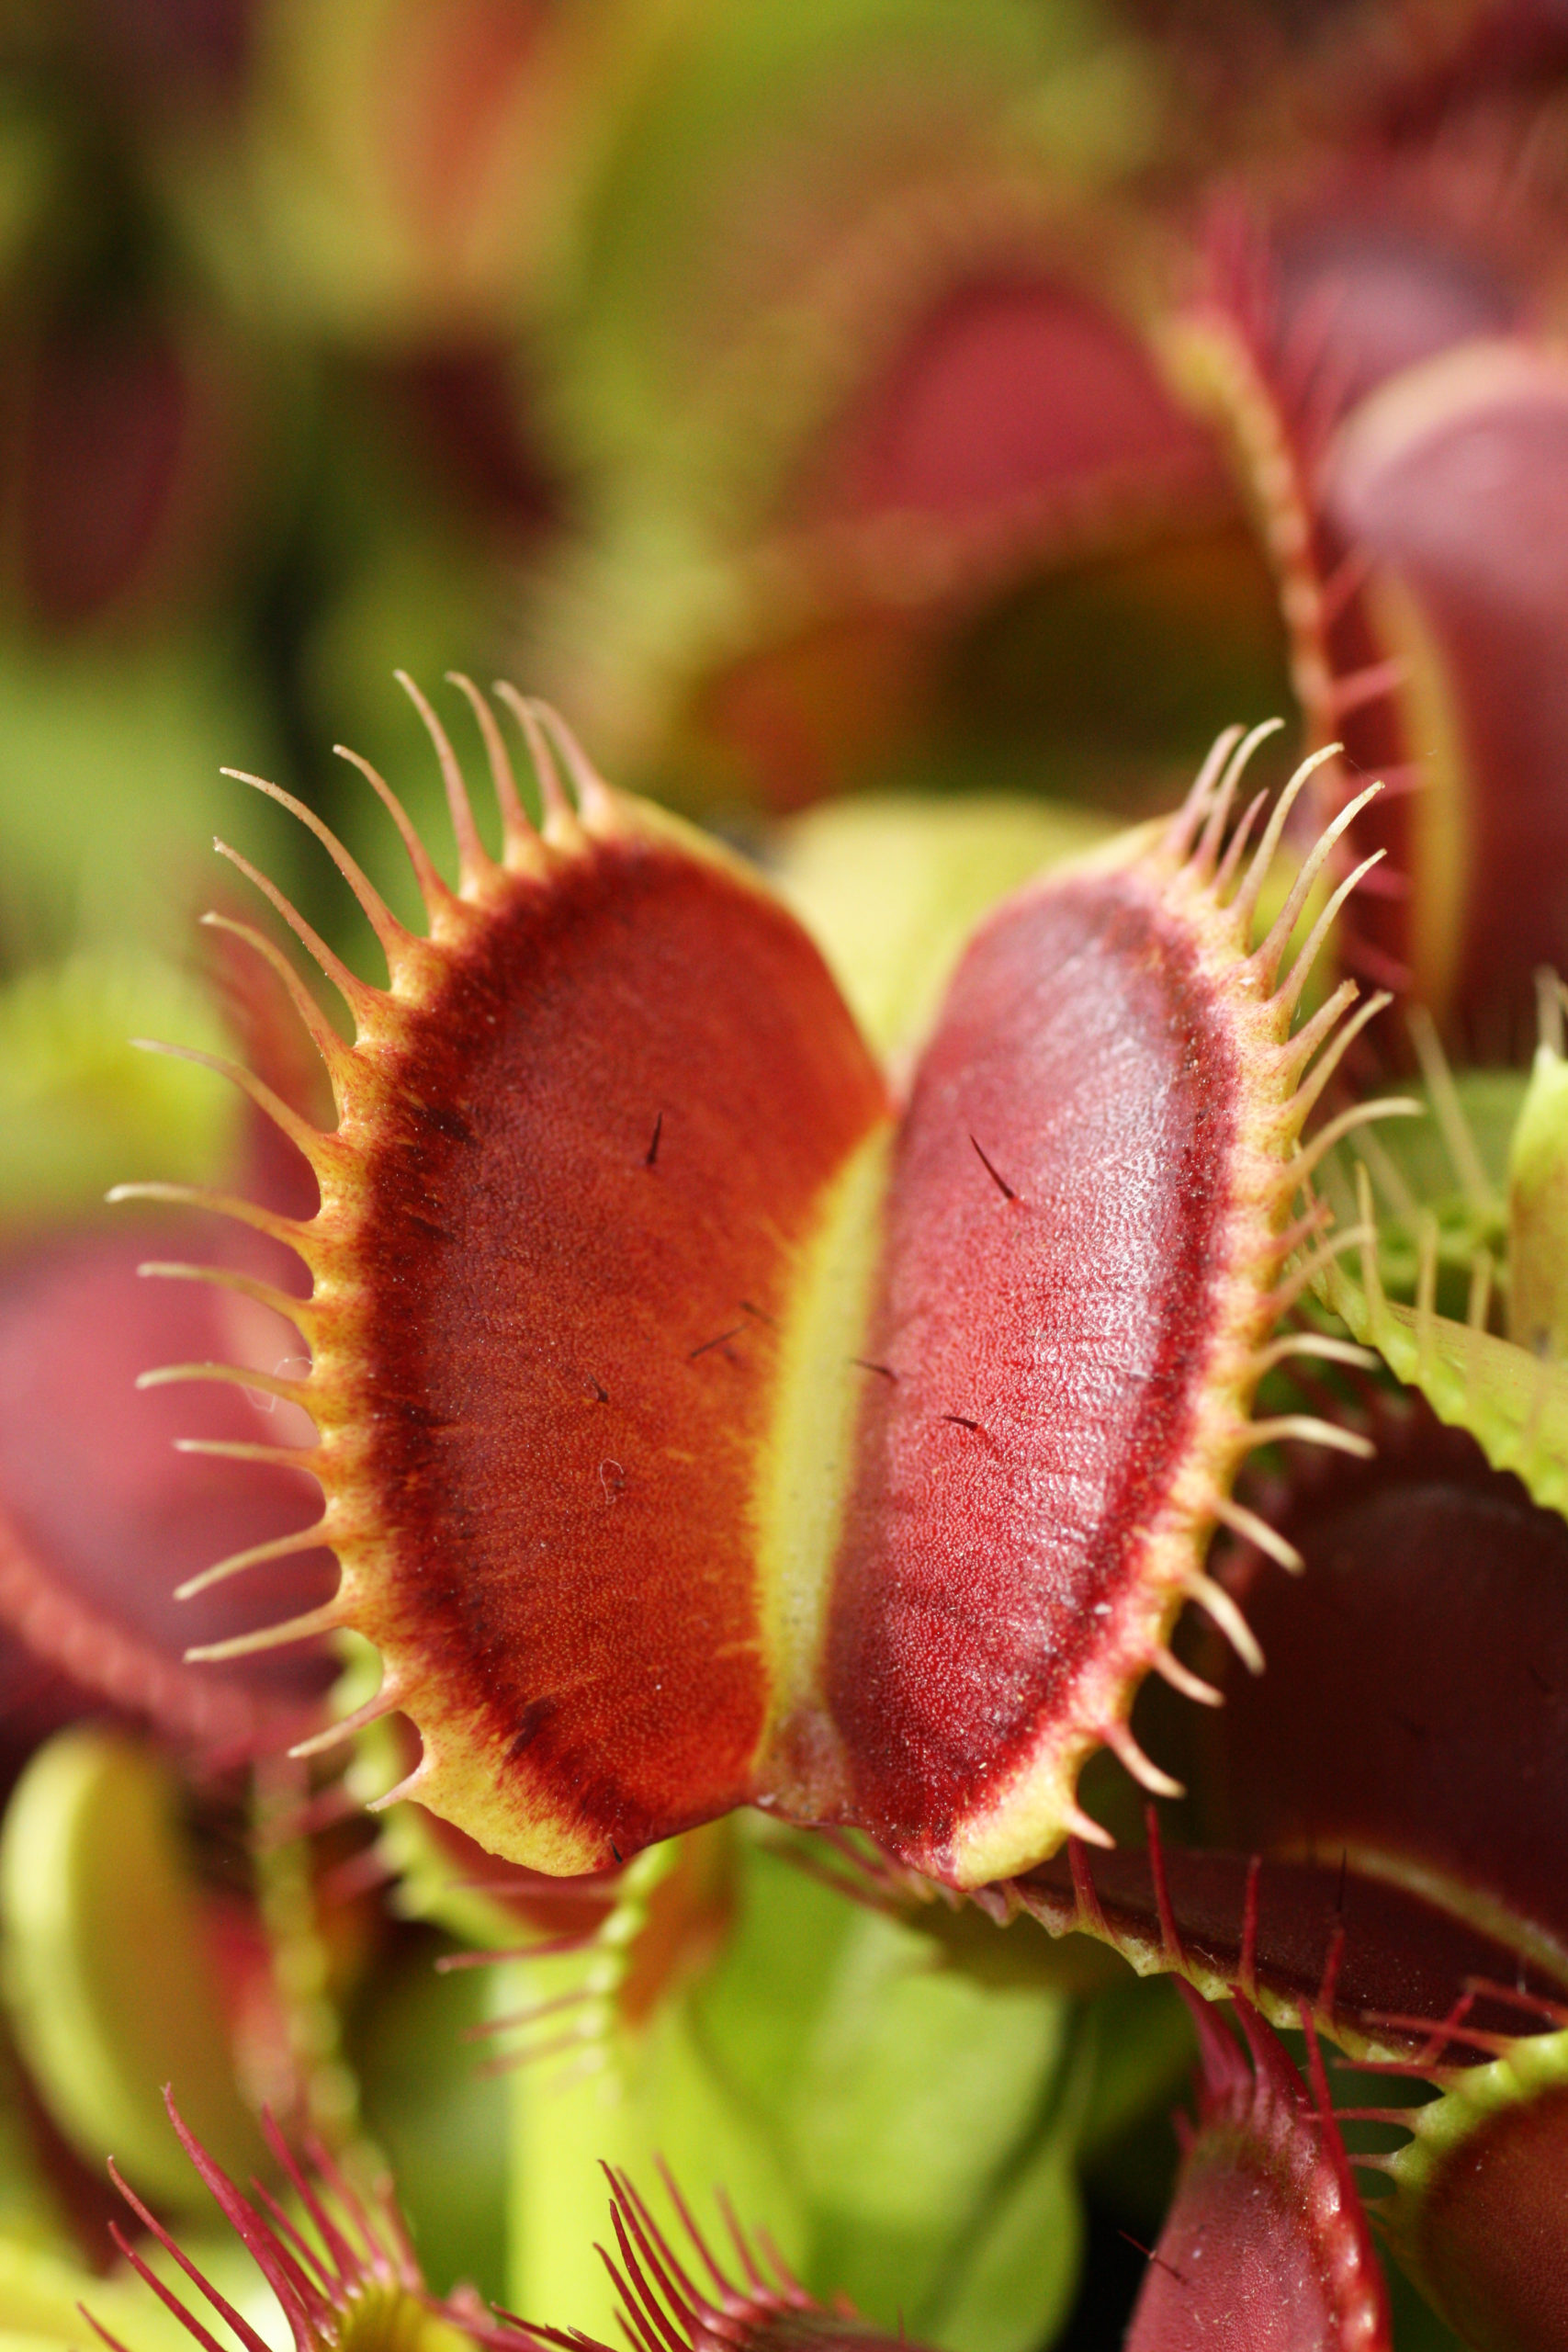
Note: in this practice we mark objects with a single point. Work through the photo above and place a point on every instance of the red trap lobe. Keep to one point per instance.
(1044, 1326)
(1265, 2248)
(693, 1431)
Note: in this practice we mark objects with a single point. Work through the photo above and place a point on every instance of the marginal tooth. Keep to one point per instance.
(1206, 852)
(232, 1375)
(1171, 1940)
(1306, 1228)
(1118, 1737)
(1388, 1177)
(1285, 1294)
(1359, 687)
(1478, 1309)
(1168, 1666)
(1188, 818)
(1266, 956)
(433, 890)
(406, 1787)
(1367, 1233)
(1320, 1344)
(515, 2019)
(556, 2046)
(395, 941)
(319, 1149)
(1086, 1894)
(1246, 899)
(1078, 1824)
(385, 1703)
(523, 846)
(281, 1546)
(1374, 964)
(475, 864)
(594, 800)
(300, 1312)
(1348, 577)
(1449, 1110)
(1309, 1429)
(197, 1196)
(269, 1637)
(318, 1028)
(1360, 1115)
(1236, 848)
(1287, 995)
(561, 826)
(1333, 1053)
(1217, 1604)
(1253, 1529)
(361, 998)
(1337, 1189)
(222, 1449)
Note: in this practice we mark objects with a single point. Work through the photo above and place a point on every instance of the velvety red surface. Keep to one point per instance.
(1357, 1949)
(1494, 2235)
(1005, 392)
(100, 1518)
(1044, 1347)
(1416, 1696)
(1234, 2270)
(574, 1350)
(1266, 2246)
(1472, 516)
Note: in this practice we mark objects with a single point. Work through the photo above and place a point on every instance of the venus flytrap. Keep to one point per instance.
(709, 1418)
(772, 1413)
(731, 1516)
(759, 1494)
(1267, 2248)
(1371, 1840)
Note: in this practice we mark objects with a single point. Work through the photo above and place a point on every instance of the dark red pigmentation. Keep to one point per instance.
(580, 1363)
(1043, 1343)
(100, 1518)
(1266, 2248)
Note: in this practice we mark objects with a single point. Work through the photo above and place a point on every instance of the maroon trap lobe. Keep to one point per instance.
(1380, 1966)
(609, 1146)
(100, 1518)
(1492, 2241)
(1012, 394)
(1265, 2248)
(1043, 1343)
(1451, 486)
(1416, 1701)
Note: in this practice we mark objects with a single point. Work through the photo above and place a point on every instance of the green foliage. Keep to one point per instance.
(891, 888)
(1538, 1210)
(440, 2118)
(106, 1965)
(79, 1105)
(110, 791)
(704, 222)
(906, 2133)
